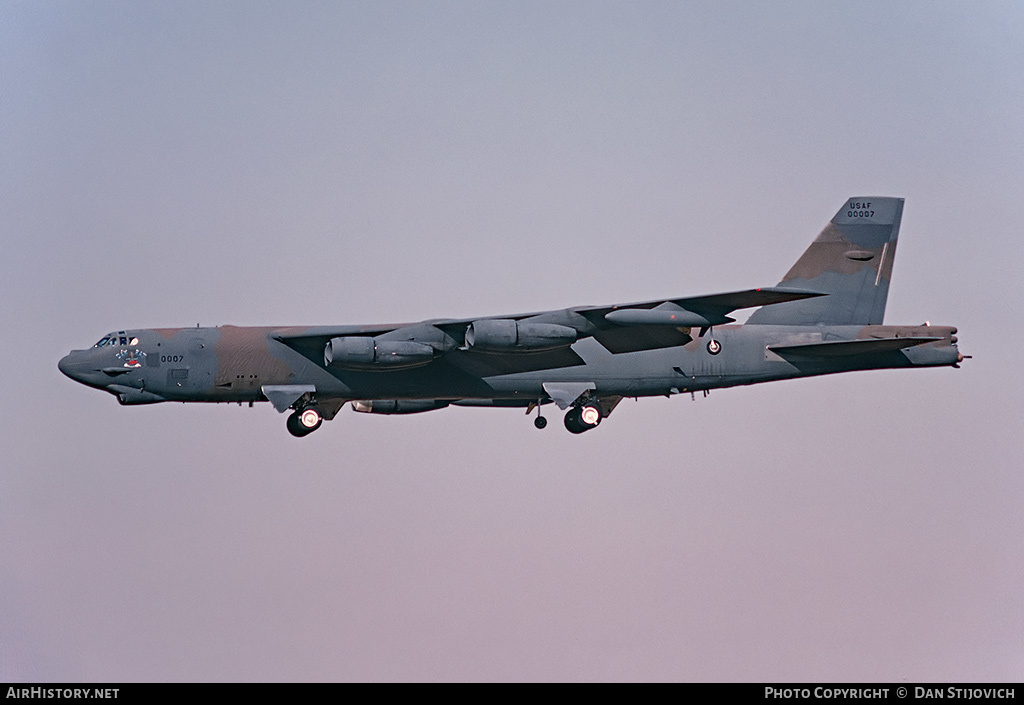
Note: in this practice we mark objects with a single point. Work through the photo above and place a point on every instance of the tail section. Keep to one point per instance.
(850, 261)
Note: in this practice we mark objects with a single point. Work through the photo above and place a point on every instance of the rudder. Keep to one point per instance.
(850, 261)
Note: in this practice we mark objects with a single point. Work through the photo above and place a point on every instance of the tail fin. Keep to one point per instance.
(851, 261)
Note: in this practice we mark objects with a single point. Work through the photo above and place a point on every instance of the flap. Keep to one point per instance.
(565, 393)
(282, 396)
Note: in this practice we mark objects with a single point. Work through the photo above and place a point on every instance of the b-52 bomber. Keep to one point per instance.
(824, 317)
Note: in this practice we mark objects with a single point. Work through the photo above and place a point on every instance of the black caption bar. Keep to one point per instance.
(787, 692)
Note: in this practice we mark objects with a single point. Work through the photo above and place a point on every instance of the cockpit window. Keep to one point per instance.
(117, 338)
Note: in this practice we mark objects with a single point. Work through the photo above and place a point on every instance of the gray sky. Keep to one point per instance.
(322, 163)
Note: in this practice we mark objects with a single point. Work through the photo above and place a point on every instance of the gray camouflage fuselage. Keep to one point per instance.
(823, 318)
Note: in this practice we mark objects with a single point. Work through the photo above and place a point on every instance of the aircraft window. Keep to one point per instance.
(124, 340)
(109, 339)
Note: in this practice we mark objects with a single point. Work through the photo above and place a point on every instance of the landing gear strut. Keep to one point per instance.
(304, 421)
(540, 421)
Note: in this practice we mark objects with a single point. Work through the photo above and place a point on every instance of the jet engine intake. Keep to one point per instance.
(360, 353)
(506, 335)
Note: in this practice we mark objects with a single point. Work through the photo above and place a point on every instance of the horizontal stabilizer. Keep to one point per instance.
(842, 348)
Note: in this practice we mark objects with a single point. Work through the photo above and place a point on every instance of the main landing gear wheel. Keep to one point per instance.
(304, 421)
(582, 418)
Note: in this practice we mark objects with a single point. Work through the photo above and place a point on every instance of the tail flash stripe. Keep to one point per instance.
(881, 262)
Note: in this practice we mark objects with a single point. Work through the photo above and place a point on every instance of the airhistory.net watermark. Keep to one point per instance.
(61, 693)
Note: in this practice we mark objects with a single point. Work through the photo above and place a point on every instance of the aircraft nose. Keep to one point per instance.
(65, 365)
(72, 368)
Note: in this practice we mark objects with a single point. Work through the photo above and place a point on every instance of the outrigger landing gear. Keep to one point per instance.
(304, 421)
(540, 421)
(714, 347)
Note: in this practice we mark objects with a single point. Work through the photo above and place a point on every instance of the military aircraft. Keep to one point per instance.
(824, 317)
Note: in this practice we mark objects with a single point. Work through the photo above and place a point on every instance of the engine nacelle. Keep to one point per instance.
(360, 353)
(506, 335)
(397, 406)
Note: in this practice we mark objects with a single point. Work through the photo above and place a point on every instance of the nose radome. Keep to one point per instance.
(72, 368)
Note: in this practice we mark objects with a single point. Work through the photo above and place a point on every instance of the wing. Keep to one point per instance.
(710, 309)
(649, 325)
(528, 341)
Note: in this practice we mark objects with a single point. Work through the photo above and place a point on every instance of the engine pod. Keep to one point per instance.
(360, 353)
(507, 335)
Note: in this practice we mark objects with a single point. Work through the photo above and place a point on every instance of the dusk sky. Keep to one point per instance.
(272, 163)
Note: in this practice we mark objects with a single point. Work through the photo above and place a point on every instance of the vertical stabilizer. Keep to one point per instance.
(851, 261)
